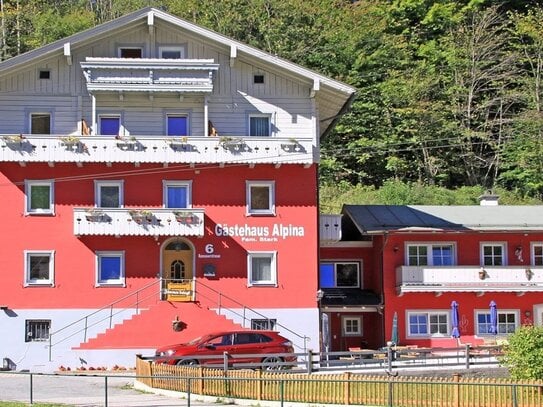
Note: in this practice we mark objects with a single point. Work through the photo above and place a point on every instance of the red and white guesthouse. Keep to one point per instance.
(158, 181)
(385, 263)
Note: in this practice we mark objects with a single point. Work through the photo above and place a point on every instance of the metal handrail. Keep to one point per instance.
(245, 308)
(109, 307)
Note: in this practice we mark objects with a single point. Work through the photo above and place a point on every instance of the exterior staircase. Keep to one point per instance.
(153, 327)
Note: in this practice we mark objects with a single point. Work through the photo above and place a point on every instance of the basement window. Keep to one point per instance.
(37, 330)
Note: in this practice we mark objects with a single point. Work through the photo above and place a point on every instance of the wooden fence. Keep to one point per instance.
(345, 388)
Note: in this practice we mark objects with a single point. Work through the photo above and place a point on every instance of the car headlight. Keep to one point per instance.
(165, 352)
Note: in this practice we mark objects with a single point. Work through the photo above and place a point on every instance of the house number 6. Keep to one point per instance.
(209, 248)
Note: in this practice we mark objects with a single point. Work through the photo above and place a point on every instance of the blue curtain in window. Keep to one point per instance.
(326, 276)
(109, 126)
(177, 197)
(177, 126)
(260, 126)
(110, 268)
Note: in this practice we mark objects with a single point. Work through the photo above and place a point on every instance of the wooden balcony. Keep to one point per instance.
(138, 222)
(469, 279)
(149, 75)
(156, 149)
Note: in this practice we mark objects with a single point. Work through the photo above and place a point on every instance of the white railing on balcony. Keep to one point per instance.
(330, 228)
(149, 75)
(469, 278)
(156, 149)
(138, 222)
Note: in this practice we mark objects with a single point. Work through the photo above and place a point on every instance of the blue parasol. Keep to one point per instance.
(455, 333)
(493, 328)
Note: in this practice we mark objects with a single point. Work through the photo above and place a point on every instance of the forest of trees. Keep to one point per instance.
(450, 93)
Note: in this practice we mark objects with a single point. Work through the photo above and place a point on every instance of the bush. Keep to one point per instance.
(523, 356)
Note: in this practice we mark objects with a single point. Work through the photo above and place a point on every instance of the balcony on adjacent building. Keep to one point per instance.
(330, 228)
(469, 279)
(156, 149)
(138, 222)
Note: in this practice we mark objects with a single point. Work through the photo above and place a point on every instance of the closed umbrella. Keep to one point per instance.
(455, 333)
(493, 328)
(394, 336)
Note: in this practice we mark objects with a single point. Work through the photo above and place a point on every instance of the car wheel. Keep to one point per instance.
(187, 362)
(271, 363)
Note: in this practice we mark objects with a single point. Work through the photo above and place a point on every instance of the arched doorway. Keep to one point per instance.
(177, 271)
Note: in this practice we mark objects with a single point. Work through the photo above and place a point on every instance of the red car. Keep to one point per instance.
(249, 343)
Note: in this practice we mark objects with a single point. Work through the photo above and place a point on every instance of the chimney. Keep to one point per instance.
(489, 199)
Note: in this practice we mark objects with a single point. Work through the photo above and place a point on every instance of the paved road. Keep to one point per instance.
(83, 391)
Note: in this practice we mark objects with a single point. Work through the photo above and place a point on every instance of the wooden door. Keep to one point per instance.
(177, 271)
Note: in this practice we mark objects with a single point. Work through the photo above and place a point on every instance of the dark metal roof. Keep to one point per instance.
(348, 297)
(382, 218)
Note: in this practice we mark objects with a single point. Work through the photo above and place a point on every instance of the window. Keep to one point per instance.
(339, 274)
(130, 52)
(537, 254)
(177, 194)
(493, 254)
(109, 194)
(40, 123)
(171, 52)
(259, 125)
(260, 198)
(44, 74)
(507, 322)
(37, 330)
(430, 254)
(261, 268)
(39, 197)
(110, 268)
(263, 324)
(39, 268)
(177, 125)
(428, 323)
(258, 79)
(110, 125)
(351, 326)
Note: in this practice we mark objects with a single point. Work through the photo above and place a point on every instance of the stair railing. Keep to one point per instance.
(110, 310)
(243, 315)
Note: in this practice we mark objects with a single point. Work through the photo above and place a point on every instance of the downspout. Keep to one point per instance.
(382, 288)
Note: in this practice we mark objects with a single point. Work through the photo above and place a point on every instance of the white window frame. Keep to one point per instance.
(503, 245)
(428, 314)
(269, 116)
(121, 281)
(335, 263)
(181, 48)
(429, 257)
(39, 112)
(271, 195)
(28, 198)
(533, 257)
(273, 268)
(168, 183)
(122, 130)
(344, 322)
(98, 191)
(121, 47)
(515, 312)
(50, 281)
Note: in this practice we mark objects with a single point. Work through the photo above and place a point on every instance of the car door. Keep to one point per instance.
(249, 345)
(216, 346)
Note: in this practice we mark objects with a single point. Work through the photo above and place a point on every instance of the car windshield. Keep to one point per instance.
(196, 340)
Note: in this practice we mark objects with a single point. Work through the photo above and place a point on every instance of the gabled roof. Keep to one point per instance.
(341, 90)
(378, 219)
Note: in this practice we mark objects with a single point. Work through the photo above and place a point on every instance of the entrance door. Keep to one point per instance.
(177, 271)
(538, 315)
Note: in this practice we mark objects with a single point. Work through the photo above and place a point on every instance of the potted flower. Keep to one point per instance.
(138, 215)
(231, 143)
(292, 145)
(482, 274)
(124, 142)
(16, 139)
(94, 215)
(70, 140)
(184, 217)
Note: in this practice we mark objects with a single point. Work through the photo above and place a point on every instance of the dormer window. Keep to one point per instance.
(130, 52)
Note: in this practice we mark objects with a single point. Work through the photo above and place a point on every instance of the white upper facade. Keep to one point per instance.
(150, 87)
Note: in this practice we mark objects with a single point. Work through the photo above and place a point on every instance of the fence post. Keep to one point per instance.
(309, 361)
(105, 390)
(514, 395)
(467, 355)
(346, 388)
(389, 356)
(456, 379)
(188, 391)
(225, 361)
(390, 392)
(31, 389)
(282, 391)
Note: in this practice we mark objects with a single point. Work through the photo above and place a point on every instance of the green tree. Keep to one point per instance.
(524, 353)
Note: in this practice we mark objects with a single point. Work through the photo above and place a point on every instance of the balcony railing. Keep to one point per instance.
(469, 279)
(330, 228)
(138, 222)
(156, 149)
